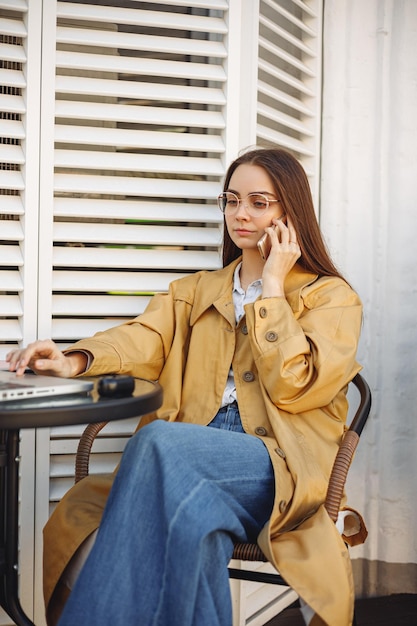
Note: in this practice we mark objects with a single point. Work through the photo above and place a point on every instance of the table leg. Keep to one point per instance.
(9, 485)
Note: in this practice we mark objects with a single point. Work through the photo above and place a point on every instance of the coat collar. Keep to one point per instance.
(215, 289)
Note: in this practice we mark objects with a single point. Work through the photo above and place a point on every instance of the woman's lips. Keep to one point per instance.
(242, 232)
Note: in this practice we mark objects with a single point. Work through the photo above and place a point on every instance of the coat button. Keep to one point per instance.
(260, 430)
(244, 329)
(282, 506)
(263, 312)
(248, 377)
(271, 336)
(280, 452)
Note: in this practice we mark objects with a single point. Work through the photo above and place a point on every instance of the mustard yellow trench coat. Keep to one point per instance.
(292, 360)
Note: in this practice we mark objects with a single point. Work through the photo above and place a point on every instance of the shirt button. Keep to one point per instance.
(280, 452)
(282, 506)
(263, 312)
(271, 336)
(260, 430)
(244, 329)
(248, 377)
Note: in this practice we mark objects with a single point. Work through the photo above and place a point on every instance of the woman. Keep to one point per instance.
(260, 351)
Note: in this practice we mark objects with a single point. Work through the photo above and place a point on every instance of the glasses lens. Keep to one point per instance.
(227, 202)
(258, 203)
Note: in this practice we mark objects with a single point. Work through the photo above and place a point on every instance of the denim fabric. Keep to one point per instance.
(228, 418)
(182, 495)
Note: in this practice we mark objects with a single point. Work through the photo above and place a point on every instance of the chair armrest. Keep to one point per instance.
(339, 473)
(347, 449)
(82, 460)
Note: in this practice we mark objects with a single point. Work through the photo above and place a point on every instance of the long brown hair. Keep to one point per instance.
(292, 188)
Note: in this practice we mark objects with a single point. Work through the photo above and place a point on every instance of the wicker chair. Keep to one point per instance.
(249, 551)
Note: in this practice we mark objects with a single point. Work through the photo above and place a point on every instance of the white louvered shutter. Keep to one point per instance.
(289, 80)
(19, 190)
(19, 175)
(138, 146)
(134, 156)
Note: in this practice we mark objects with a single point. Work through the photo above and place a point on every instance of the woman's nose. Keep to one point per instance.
(242, 209)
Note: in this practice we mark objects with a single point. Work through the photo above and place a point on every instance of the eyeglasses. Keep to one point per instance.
(256, 203)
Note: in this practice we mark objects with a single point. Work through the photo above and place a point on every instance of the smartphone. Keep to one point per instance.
(264, 244)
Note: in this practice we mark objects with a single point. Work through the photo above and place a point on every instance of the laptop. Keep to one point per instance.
(33, 386)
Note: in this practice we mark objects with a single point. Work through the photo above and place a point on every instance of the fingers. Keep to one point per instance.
(292, 232)
(285, 232)
(39, 356)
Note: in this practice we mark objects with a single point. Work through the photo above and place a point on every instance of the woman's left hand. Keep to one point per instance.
(284, 254)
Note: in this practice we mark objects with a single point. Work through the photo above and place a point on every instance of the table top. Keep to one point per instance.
(80, 408)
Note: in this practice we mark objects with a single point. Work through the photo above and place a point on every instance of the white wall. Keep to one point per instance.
(368, 213)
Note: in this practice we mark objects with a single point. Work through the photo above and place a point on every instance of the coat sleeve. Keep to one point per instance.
(305, 358)
(138, 347)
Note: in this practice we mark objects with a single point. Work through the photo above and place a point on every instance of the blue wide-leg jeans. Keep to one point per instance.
(182, 495)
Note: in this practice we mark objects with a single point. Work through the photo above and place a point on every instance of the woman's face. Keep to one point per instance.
(244, 228)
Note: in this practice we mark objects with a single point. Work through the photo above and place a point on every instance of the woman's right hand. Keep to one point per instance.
(44, 357)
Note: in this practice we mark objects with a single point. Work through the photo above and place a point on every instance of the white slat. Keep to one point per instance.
(111, 305)
(127, 282)
(12, 129)
(141, 139)
(286, 78)
(15, 5)
(11, 230)
(137, 210)
(158, 116)
(284, 120)
(136, 234)
(11, 205)
(14, 28)
(10, 331)
(310, 10)
(12, 53)
(10, 305)
(10, 280)
(71, 329)
(199, 4)
(281, 32)
(149, 43)
(299, 23)
(139, 90)
(280, 139)
(121, 185)
(280, 53)
(12, 104)
(119, 161)
(12, 154)
(11, 256)
(155, 19)
(181, 260)
(12, 78)
(10, 179)
(142, 66)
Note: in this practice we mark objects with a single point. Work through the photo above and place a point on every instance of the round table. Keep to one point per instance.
(41, 413)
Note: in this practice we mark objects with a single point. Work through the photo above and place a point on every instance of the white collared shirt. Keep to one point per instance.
(240, 298)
